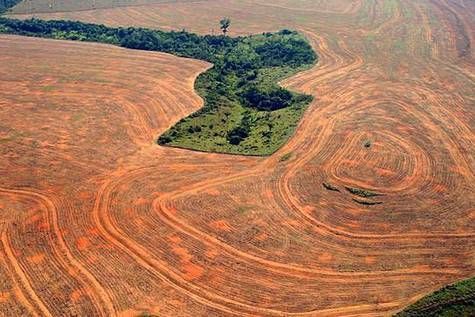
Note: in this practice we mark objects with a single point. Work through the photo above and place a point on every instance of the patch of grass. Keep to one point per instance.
(329, 186)
(147, 314)
(367, 202)
(285, 157)
(244, 209)
(48, 88)
(77, 117)
(362, 192)
(268, 130)
(457, 300)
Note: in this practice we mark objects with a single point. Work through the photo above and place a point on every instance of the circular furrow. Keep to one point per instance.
(149, 256)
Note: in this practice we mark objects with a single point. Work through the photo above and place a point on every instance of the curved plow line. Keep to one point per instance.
(52, 215)
(143, 257)
(284, 186)
(161, 208)
(286, 195)
(37, 307)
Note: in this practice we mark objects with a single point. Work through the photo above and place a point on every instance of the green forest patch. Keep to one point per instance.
(245, 110)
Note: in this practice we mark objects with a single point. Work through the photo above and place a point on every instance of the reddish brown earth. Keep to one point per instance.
(97, 220)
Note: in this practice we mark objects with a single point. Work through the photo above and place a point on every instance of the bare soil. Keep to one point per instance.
(98, 220)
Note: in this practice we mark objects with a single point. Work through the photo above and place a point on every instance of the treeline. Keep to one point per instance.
(283, 48)
(236, 78)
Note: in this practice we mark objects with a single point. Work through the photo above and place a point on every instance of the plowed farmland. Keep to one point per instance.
(96, 219)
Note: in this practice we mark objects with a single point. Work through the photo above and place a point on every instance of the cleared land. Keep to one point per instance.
(115, 225)
(84, 5)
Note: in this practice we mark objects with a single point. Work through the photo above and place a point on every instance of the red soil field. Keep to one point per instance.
(98, 220)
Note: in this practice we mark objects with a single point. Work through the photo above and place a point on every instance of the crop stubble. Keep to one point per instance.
(100, 221)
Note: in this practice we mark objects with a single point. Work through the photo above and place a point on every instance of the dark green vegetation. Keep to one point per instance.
(367, 202)
(329, 186)
(245, 111)
(361, 192)
(356, 191)
(456, 300)
(224, 25)
(7, 4)
(285, 157)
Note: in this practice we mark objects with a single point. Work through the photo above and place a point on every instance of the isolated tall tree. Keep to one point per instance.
(225, 23)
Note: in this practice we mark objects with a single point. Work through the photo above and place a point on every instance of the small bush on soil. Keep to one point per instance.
(285, 157)
(361, 192)
(329, 186)
(367, 202)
